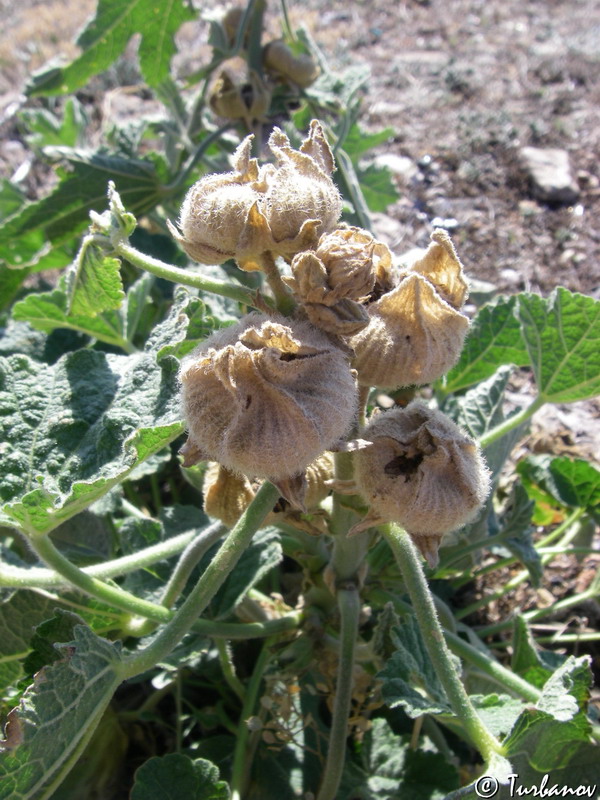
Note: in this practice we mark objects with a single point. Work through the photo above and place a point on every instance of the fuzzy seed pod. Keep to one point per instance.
(422, 472)
(279, 60)
(267, 396)
(231, 23)
(334, 281)
(237, 93)
(275, 208)
(416, 331)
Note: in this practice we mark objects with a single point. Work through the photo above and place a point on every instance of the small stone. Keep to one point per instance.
(550, 174)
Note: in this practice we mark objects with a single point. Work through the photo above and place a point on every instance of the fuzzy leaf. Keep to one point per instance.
(533, 664)
(47, 130)
(81, 190)
(47, 311)
(494, 339)
(175, 776)
(94, 281)
(408, 678)
(480, 408)
(358, 141)
(57, 715)
(106, 36)
(19, 614)
(562, 335)
(552, 731)
(378, 187)
(517, 528)
(74, 430)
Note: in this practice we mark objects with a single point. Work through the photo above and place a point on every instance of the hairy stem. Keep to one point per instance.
(511, 423)
(349, 604)
(414, 578)
(348, 554)
(283, 298)
(188, 560)
(186, 277)
(211, 580)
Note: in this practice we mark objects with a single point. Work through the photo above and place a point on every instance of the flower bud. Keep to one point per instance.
(239, 93)
(422, 472)
(279, 60)
(416, 331)
(338, 277)
(265, 397)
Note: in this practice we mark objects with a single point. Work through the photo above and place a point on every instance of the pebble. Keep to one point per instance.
(549, 172)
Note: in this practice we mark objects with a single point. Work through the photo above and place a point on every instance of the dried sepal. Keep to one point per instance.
(265, 397)
(416, 329)
(279, 61)
(422, 472)
(226, 495)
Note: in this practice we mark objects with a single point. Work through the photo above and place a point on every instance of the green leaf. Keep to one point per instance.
(480, 408)
(409, 679)
(390, 768)
(175, 776)
(58, 628)
(517, 529)
(94, 281)
(106, 37)
(137, 298)
(562, 336)
(192, 325)
(47, 311)
(81, 190)
(498, 711)
(552, 731)
(57, 715)
(528, 660)
(257, 560)
(20, 612)
(494, 340)
(74, 430)
(49, 131)
(358, 141)
(378, 187)
(572, 482)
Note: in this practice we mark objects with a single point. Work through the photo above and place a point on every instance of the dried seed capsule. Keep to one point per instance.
(416, 331)
(335, 280)
(279, 60)
(265, 397)
(422, 472)
(239, 93)
(278, 208)
(231, 23)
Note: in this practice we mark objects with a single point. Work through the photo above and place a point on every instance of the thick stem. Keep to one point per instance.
(349, 605)
(348, 554)
(212, 579)
(185, 277)
(511, 423)
(414, 578)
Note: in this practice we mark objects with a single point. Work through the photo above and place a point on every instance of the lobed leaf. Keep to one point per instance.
(572, 482)
(106, 36)
(175, 776)
(94, 281)
(57, 715)
(494, 339)
(562, 336)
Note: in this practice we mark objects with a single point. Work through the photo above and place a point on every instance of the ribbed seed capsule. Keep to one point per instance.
(416, 330)
(267, 396)
(422, 472)
(239, 93)
(278, 208)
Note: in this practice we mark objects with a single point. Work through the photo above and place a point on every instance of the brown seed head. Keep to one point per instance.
(279, 60)
(422, 472)
(265, 397)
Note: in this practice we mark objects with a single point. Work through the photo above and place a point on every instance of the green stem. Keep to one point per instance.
(283, 297)
(350, 179)
(186, 277)
(511, 423)
(182, 178)
(414, 578)
(188, 560)
(228, 669)
(211, 580)
(349, 605)
(348, 554)
(567, 527)
(241, 762)
(255, 30)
